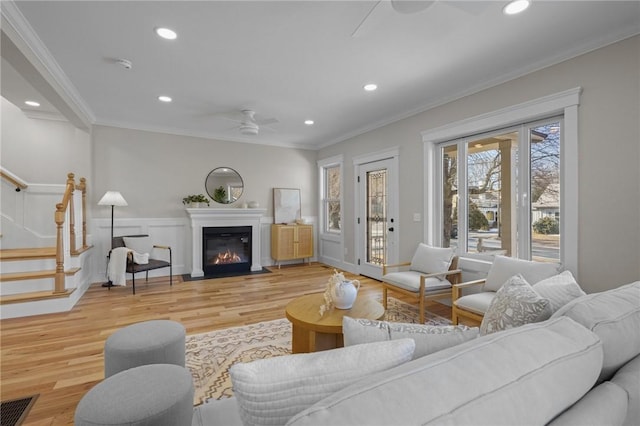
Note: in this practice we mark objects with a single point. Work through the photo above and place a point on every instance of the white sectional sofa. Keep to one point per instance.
(580, 367)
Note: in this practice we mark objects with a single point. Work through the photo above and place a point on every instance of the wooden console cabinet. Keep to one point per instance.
(290, 242)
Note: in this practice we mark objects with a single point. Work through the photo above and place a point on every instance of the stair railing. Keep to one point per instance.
(64, 209)
(13, 180)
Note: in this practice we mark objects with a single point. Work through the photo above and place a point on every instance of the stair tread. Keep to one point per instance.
(34, 296)
(30, 275)
(28, 253)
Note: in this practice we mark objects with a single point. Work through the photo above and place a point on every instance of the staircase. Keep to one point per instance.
(39, 280)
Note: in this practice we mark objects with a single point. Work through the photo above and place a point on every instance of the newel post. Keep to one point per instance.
(60, 278)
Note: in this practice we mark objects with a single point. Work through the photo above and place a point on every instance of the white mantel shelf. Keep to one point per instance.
(204, 217)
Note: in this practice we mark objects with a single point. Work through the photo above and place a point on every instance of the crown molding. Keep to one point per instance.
(19, 31)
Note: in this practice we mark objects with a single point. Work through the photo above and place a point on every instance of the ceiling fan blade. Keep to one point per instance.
(374, 17)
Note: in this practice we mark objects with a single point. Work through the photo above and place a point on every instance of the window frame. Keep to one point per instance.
(522, 185)
(323, 166)
(564, 104)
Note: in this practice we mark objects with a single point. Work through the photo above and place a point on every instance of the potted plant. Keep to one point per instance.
(195, 200)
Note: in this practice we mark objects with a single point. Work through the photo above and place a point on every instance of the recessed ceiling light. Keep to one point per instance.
(308, 122)
(166, 33)
(32, 103)
(370, 87)
(164, 98)
(516, 6)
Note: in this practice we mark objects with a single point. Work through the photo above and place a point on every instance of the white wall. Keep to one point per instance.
(154, 171)
(41, 150)
(609, 157)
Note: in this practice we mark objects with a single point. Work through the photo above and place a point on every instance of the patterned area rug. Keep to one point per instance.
(210, 355)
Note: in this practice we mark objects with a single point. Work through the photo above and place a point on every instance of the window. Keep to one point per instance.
(501, 192)
(541, 160)
(331, 193)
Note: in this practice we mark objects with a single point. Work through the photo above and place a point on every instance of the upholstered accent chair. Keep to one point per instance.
(142, 244)
(474, 306)
(429, 275)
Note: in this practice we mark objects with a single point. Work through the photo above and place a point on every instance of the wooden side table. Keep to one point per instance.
(312, 333)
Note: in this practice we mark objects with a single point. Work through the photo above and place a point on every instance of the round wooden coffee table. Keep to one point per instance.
(312, 333)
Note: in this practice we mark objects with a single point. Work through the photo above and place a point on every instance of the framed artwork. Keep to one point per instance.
(286, 205)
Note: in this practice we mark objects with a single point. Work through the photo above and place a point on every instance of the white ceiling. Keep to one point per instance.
(290, 60)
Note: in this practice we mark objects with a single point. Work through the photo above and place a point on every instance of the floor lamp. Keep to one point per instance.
(112, 198)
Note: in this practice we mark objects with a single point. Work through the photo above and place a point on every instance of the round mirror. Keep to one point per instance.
(224, 185)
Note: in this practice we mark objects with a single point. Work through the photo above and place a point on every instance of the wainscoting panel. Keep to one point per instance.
(173, 232)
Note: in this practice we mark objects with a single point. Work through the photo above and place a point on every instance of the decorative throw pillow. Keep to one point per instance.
(515, 304)
(504, 268)
(559, 289)
(270, 391)
(140, 245)
(428, 338)
(429, 260)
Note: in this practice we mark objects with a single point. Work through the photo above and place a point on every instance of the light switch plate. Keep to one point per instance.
(416, 217)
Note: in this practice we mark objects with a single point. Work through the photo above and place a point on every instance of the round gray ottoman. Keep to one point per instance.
(153, 395)
(149, 342)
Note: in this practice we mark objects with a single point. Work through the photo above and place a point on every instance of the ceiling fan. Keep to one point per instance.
(249, 124)
(382, 8)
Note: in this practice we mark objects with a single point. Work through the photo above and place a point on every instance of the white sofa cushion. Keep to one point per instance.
(477, 302)
(530, 373)
(410, 280)
(504, 268)
(606, 404)
(614, 315)
(428, 338)
(628, 378)
(515, 304)
(429, 260)
(559, 289)
(270, 391)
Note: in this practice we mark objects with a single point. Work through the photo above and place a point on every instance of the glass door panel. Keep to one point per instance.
(491, 194)
(545, 191)
(376, 216)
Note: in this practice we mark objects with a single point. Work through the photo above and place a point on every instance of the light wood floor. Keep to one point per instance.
(60, 356)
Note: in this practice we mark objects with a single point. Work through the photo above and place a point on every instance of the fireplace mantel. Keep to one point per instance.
(206, 217)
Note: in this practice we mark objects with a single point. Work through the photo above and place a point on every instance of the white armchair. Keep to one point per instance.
(474, 306)
(431, 273)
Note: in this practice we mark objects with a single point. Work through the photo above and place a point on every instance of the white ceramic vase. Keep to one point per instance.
(344, 294)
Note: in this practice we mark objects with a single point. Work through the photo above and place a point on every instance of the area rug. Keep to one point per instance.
(210, 355)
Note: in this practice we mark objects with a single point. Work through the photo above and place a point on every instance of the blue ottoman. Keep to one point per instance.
(150, 395)
(149, 342)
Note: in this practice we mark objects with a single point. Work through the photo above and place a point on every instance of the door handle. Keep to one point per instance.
(391, 229)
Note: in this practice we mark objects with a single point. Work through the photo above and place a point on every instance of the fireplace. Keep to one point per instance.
(201, 218)
(226, 249)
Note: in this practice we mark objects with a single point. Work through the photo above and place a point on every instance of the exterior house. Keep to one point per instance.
(548, 204)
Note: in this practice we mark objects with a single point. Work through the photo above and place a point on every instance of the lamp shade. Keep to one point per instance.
(112, 198)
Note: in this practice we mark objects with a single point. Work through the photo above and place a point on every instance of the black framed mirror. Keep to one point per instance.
(224, 185)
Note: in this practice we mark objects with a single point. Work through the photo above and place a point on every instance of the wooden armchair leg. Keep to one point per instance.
(422, 309)
(454, 316)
